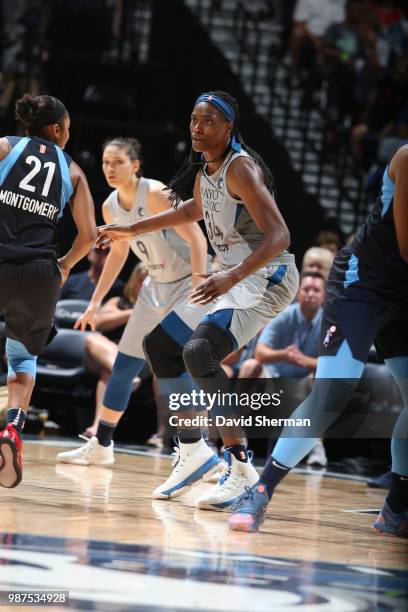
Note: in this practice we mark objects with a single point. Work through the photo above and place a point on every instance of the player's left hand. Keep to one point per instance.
(216, 284)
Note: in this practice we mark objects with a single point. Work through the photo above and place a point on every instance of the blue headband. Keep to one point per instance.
(226, 109)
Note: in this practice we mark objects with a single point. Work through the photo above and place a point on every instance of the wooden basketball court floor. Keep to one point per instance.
(96, 533)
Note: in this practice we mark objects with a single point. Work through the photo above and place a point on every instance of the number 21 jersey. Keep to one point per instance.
(35, 185)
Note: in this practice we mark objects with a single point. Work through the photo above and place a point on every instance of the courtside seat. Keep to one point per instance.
(62, 362)
(64, 387)
(384, 393)
(68, 311)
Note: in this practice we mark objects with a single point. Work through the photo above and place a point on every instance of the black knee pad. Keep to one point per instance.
(204, 351)
(198, 359)
(163, 354)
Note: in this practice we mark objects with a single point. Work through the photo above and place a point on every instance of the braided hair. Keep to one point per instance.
(182, 184)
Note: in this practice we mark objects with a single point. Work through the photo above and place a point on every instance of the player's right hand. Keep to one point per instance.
(87, 318)
(113, 233)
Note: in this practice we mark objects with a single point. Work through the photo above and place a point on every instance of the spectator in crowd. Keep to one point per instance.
(312, 18)
(81, 285)
(350, 238)
(101, 347)
(347, 48)
(234, 362)
(382, 145)
(23, 24)
(86, 35)
(379, 122)
(381, 93)
(330, 240)
(317, 259)
(288, 345)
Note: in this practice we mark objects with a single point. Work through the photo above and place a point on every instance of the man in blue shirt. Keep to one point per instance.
(288, 345)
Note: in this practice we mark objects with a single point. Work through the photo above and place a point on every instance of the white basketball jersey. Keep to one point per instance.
(164, 253)
(231, 230)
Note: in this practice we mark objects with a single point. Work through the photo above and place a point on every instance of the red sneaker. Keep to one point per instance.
(11, 471)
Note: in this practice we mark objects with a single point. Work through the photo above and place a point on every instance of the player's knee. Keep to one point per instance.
(198, 358)
(119, 387)
(205, 350)
(163, 354)
(127, 367)
(20, 361)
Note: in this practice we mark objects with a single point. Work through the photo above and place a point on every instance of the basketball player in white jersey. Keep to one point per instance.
(232, 191)
(171, 257)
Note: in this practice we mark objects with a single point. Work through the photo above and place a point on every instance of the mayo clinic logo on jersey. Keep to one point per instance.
(209, 198)
(42, 148)
(329, 334)
(209, 194)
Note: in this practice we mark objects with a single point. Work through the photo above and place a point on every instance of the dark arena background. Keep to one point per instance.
(322, 91)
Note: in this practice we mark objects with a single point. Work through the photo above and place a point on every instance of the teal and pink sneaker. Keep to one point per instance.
(248, 511)
(392, 523)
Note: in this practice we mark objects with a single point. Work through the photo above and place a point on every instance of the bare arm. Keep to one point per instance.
(4, 148)
(398, 171)
(307, 362)
(266, 354)
(110, 316)
(83, 213)
(186, 212)
(113, 265)
(232, 358)
(190, 232)
(198, 250)
(300, 29)
(298, 358)
(246, 183)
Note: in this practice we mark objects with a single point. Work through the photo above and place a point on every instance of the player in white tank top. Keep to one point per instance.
(171, 258)
(164, 253)
(233, 194)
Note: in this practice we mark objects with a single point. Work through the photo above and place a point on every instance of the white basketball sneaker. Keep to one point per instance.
(91, 453)
(217, 474)
(191, 463)
(232, 484)
(317, 455)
